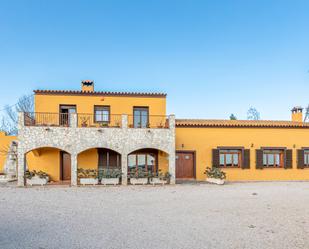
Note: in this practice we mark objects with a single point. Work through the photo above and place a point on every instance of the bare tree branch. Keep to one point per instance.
(9, 120)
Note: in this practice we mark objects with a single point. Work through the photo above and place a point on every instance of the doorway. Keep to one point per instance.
(65, 111)
(65, 166)
(185, 164)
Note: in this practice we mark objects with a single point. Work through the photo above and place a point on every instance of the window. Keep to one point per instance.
(230, 158)
(273, 158)
(306, 158)
(144, 161)
(141, 117)
(101, 114)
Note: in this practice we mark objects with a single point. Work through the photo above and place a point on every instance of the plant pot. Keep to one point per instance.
(36, 180)
(88, 181)
(157, 180)
(110, 181)
(215, 181)
(138, 181)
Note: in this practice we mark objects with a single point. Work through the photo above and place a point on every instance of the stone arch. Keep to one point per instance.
(137, 148)
(98, 145)
(26, 151)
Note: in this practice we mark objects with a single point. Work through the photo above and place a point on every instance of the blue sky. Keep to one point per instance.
(212, 58)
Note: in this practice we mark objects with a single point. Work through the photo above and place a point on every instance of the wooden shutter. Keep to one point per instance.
(246, 160)
(215, 158)
(288, 162)
(300, 159)
(259, 159)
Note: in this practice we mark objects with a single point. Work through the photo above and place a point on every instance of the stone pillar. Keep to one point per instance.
(21, 121)
(171, 166)
(124, 169)
(73, 120)
(21, 157)
(124, 121)
(73, 169)
(172, 150)
(171, 120)
(21, 162)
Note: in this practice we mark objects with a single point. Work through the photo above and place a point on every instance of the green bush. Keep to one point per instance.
(29, 174)
(214, 172)
(109, 173)
(87, 173)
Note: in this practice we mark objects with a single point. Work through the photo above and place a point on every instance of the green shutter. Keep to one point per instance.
(246, 160)
(259, 159)
(300, 159)
(288, 162)
(215, 158)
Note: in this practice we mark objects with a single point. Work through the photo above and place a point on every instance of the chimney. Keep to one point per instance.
(297, 114)
(87, 86)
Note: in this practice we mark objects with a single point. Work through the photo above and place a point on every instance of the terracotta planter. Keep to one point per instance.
(36, 180)
(157, 180)
(138, 181)
(215, 181)
(88, 181)
(110, 181)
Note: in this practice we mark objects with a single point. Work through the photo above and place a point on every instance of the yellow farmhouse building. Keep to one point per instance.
(78, 131)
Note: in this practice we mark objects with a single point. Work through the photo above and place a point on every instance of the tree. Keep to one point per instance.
(9, 119)
(253, 114)
(233, 117)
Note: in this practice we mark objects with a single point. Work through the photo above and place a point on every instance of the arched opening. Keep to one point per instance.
(148, 160)
(55, 162)
(95, 162)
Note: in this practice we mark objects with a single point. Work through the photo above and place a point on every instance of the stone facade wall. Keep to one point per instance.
(75, 140)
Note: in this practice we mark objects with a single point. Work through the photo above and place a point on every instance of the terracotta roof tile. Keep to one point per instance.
(98, 93)
(239, 123)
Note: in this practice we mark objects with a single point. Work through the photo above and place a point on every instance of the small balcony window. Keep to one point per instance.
(273, 158)
(102, 114)
(141, 117)
(230, 158)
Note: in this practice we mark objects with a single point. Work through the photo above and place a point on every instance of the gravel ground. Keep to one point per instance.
(237, 215)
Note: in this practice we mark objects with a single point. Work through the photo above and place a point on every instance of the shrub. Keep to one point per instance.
(214, 172)
(41, 174)
(109, 173)
(87, 173)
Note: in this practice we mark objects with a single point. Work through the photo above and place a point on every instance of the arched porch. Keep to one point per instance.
(96, 162)
(49, 161)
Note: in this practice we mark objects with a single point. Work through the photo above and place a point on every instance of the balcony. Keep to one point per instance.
(88, 120)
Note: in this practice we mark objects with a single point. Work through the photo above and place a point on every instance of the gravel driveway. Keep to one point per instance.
(237, 215)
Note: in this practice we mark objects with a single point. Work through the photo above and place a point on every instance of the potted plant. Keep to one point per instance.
(215, 175)
(36, 178)
(88, 176)
(84, 121)
(139, 176)
(160, 178)
(104, 124)
(109, 176)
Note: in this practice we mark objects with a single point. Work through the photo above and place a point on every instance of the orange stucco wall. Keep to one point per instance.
(88, 159)
(86, 103)
(45, 159)
(203, 140)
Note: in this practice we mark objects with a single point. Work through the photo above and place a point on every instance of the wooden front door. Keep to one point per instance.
(65, 166)
(185, 165)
